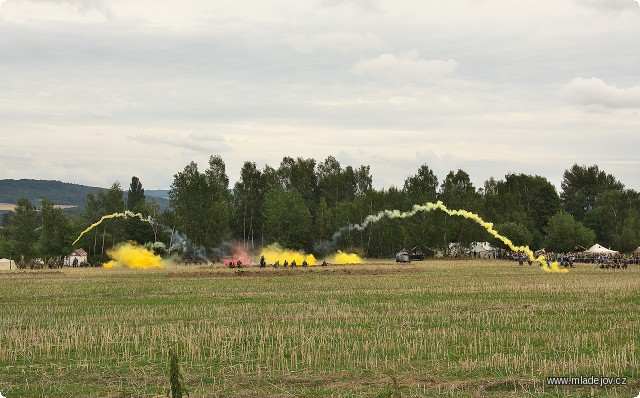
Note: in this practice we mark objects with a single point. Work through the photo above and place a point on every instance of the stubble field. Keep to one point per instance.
(433, 328)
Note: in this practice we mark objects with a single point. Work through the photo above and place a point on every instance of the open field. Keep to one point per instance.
(11, 207)
(438, 328)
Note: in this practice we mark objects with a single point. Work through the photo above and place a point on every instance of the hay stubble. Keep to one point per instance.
(456, 328)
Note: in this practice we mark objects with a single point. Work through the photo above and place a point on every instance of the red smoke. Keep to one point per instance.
(239, 253)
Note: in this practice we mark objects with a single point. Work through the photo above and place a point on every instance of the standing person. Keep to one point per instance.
(75, 262)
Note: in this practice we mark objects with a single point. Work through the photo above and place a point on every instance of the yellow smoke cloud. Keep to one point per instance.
(129, 255)
(345, 258)
(275, 252)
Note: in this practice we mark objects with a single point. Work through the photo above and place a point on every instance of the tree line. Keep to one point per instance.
(303, 202)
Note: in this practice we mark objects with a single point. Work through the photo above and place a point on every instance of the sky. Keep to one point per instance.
(93, 92)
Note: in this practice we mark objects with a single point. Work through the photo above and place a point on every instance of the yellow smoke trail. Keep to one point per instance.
(275, 252)
(553, 267)
(127, 213)
(129, 255)
(345, 258)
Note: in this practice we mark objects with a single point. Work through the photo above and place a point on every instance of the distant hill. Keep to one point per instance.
(61, 193)
(157, 193)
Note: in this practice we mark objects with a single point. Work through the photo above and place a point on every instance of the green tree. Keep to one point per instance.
(5, 219)
(517, 233)
(363, 180)
(112, 201)
(522, 199)
(23, 226)
(581, 186)
(608, 218)
(423, 186)
(189, 202)
(323, 221)
(220, 201)
(287, 219)
(7, 247)
(110, 231)
(629, 238)
(566, 234)
(135, 195)
(92, 213)
(330, 184)
(248, 200)
(457, 192)
(200, 202)
(54, 231)
(336, 184)
(423, 229)
(299, 174)
(142, 231)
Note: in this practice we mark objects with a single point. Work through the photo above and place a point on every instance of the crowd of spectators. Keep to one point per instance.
(602, 260)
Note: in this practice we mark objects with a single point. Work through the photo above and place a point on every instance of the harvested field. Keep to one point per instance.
(11, 207)
(433, 328)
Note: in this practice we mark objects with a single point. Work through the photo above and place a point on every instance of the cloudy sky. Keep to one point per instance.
(94, 91)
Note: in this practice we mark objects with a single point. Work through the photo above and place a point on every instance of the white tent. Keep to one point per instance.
(456, 250)
(6, 264)
(483, 250)
(599, 249)
(637, 250)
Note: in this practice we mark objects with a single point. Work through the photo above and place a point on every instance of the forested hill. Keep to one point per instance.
(61, 193)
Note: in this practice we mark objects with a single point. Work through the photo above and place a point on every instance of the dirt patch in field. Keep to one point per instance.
(267, 273)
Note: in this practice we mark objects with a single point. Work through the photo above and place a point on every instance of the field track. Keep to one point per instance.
(433, 328)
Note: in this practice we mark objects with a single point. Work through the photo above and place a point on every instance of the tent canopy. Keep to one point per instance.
(5, 264)
(482, 247)
(637, 250)
(599, 249)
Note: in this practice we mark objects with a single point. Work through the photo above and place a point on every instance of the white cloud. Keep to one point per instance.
(361, 5)
(594, 92)
(405, 66)
(612, 5)
(184, 75)
(194, 141)
(337, 41)
(68, 11)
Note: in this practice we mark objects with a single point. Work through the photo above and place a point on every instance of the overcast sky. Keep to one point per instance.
(94, 92)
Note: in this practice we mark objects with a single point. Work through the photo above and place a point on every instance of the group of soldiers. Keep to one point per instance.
(41, 263)
(54, 262)
(263, 263)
